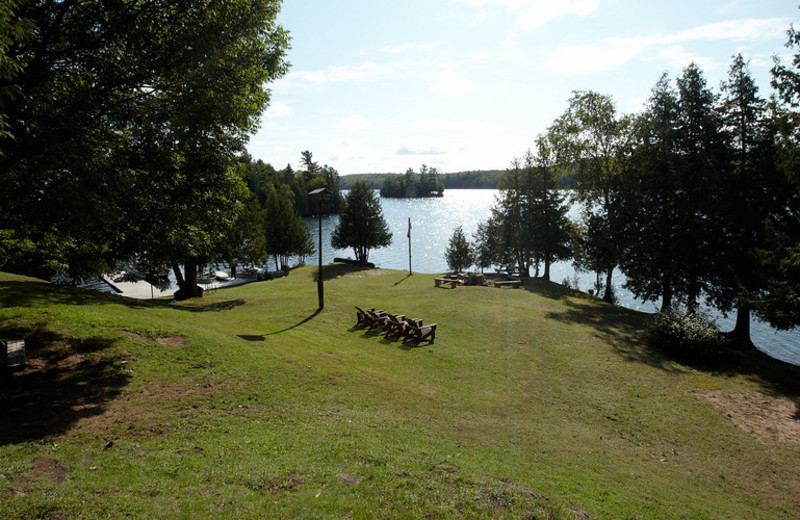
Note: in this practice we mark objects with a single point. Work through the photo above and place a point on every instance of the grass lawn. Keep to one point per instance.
(247, 403)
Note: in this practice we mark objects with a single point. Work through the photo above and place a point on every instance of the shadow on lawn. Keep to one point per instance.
(625, 330)
(64, 381)
(622, 328)
(332, 271)
(551, 290)
(263, 337)
(32, 294)
(302, 322)
(211, 307)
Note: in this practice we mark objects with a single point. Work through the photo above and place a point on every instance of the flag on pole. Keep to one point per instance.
(408, 236)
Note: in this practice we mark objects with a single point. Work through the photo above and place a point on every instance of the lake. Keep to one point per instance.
(433, 221)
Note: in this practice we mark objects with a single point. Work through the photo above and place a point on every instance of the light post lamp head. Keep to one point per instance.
(320, 195)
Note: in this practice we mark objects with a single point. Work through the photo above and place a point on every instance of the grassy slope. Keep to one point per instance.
(530, 402)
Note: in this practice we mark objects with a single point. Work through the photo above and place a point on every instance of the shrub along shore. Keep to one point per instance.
(249, 403)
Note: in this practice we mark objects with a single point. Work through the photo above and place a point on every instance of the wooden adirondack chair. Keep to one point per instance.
(421, 333)
(392, 322)
(376, 317)
(368, 317)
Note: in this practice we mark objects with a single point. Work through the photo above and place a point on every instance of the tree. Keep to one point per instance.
(530, 215)
(459, 252)
(550, 226)
(12, 31)
(311, 167)
(700, 169)
(361, 224)
(486, 244)
(285, 232)
(128, 122)
(752, 192)
(649, 207)
(780, 257)
(412, 185)
(589, 138)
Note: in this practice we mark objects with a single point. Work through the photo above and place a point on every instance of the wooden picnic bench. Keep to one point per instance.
(514, 284)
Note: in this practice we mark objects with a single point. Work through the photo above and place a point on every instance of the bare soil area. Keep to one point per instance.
(765, 416)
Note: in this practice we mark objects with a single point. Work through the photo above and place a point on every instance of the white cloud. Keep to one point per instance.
(677, 57)
(610, 53)
(352, 123)
(452, 81)
(345, 73)
(535, 13)
(751, 29)
(397, 49)
(406, 150)
(279, 109)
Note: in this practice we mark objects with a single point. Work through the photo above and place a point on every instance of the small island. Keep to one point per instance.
(412, 185)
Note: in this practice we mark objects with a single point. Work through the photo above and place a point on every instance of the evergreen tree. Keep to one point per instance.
(285, 231)
(649, 205)
(459, 252)
(700, 172)
(752, 191)
(361, 224)
(780, 298)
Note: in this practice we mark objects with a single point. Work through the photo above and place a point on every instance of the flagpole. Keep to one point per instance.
(409, 245)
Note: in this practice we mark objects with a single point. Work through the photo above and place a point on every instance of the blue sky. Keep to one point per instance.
(386, 85)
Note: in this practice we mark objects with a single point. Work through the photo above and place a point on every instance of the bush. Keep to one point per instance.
(691, 336)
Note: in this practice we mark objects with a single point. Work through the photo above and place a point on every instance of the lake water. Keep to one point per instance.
(433, 221)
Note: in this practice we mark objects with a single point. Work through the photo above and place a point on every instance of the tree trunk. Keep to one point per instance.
(608, 295)
(742, 329)
(187, 286)
(666, 296)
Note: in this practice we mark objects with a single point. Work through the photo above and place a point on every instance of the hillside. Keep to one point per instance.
(531, 403)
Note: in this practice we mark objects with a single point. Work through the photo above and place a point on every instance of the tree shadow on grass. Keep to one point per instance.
(626, 331)
(332, 271)
(33, 294)
(65, 380)
(211, 307)
(551, 290)
(623, 329)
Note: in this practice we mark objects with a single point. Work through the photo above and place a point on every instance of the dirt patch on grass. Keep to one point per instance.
(171, 341)
(168, 341)
(765, 416)
(43, 468)
(49, 468)
(147, 412)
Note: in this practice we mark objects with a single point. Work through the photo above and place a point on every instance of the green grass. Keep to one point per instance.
(529, 403)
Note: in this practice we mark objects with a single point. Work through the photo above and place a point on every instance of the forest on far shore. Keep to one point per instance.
(477, 179)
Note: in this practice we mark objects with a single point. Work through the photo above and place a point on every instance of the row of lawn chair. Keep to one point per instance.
(396, 325)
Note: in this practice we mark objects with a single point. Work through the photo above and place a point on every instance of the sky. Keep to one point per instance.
(380, 86)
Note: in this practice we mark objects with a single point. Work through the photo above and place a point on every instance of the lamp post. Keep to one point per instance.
(320, 195)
